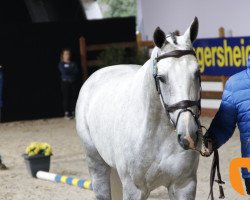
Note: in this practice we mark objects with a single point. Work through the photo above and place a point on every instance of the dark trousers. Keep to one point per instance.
(69, 95)
(247, 183)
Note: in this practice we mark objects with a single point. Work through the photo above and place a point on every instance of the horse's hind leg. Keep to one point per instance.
(98, 169)
(100, 173)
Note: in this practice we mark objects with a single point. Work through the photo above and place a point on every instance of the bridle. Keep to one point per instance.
(184, 105)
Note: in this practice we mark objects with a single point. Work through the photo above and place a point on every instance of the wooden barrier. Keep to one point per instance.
(142, 44)
(85, 49)
(210, 112)
(83, 57)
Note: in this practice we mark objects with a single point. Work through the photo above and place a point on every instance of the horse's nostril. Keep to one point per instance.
(183, 142)
(179, 140)
(179, 137)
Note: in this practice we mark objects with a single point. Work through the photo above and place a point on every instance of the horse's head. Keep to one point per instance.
(176, 73)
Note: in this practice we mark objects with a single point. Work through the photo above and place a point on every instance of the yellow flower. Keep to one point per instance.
(39, 148)
(31, 153)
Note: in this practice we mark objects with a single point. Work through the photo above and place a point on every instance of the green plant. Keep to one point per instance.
(119, 8)
(115, 56)
(112, 56)
(141, 56)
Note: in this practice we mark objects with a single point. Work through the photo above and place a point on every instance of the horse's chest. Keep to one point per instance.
(164, 169)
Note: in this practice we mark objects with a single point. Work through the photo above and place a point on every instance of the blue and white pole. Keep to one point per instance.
(82, 183)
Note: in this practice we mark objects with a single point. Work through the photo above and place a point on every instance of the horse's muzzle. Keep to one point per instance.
(188, 141)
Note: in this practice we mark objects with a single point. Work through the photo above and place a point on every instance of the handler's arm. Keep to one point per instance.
(224, 123)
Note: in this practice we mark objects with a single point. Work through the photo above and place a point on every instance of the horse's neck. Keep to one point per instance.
(148, 85)
(148, 95)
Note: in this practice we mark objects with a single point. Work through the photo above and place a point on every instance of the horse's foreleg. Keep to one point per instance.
(183, 191)
(100, 173)
(131, 192)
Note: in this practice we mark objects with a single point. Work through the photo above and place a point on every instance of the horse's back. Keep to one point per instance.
(112, 73)
(111, 76)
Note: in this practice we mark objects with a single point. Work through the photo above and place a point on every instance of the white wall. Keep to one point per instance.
(92, 9)
(178, 14)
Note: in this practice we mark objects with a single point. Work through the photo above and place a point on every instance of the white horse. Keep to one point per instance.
(141, 121)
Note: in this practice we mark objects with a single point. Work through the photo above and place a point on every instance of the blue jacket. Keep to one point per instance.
(69, 71)
(234, 109)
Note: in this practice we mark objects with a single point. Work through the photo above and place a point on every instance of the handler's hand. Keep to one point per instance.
(210, 146)
(208, 142)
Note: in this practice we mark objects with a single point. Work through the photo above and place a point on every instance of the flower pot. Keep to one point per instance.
(37, 163)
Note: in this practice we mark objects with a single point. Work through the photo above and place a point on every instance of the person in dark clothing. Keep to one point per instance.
(69, 73)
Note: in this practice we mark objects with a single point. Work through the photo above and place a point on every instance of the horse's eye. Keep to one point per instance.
(162, 79)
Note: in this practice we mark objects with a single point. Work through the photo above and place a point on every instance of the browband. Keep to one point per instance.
(175, 54)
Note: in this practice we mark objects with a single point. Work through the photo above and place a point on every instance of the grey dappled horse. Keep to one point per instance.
(141, 121)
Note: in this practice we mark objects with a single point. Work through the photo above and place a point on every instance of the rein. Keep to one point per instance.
(184, 106)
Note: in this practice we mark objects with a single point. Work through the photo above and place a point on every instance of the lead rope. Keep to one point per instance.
(215, 168)
(204, 151)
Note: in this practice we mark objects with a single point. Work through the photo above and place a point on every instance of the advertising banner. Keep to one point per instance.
(222, 56)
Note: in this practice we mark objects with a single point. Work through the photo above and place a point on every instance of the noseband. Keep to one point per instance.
(183, 106)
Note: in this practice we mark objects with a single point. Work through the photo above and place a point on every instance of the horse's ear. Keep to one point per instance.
(194, 29)
(159, 37)
(192, 32)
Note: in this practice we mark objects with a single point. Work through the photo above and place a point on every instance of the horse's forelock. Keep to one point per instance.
(178, 42)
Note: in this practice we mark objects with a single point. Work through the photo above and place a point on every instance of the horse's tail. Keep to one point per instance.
(116, 185)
